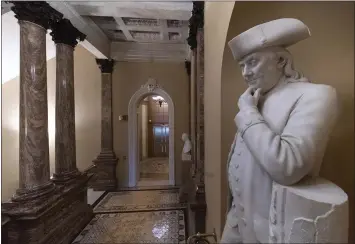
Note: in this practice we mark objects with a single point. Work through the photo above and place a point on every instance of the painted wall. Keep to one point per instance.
(327, 57)
(215, 37)
(10, 47)
(87, 82)
(127, 79)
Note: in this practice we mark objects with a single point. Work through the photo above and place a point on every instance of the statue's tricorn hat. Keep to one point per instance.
(281, 33)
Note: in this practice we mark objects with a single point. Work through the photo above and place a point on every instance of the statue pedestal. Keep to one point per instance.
(185, 157)
(186, 188)
(312, 211)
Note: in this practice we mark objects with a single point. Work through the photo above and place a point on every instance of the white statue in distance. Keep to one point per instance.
(186, 151)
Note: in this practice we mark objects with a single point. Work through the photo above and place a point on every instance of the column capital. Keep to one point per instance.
(64, 32)
(188, 67)
(105, 65)
(195, 22)
(38, 12)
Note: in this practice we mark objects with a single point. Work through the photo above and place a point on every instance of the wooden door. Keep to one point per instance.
(161, 140)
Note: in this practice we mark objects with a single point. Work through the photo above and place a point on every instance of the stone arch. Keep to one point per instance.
(150, 88)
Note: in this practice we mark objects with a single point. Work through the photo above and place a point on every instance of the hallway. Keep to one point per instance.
(154, 171)
(137, 216)
(74, 124)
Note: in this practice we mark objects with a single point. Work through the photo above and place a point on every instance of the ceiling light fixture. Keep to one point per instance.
(160, 100)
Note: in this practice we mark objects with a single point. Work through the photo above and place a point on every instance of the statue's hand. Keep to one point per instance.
(249, 101)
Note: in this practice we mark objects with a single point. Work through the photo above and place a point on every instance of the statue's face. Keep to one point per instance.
(261, 69)
(184, 137)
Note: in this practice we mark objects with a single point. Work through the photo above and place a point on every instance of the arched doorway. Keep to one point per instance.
(150, 88)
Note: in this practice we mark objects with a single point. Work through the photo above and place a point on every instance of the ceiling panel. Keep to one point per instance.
(143, 22)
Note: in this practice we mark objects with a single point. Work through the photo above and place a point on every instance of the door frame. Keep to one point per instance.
(150, 88)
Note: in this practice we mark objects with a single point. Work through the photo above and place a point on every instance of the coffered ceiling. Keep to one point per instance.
(138, 31)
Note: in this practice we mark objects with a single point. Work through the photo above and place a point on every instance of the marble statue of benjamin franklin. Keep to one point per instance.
(283, 122)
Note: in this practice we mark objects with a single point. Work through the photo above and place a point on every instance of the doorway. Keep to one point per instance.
(160, 140)
(153, 140)
(163, 124)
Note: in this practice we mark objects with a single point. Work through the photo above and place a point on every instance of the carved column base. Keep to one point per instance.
(4, 229)
(65, 178)
(55, 219)
(105, 172)
(200, 193)
(186, 189)
(30, 206)
(35, 193)
(199, 207)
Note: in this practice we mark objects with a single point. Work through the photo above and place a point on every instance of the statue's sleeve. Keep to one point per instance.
(229, 194)
(291, 155)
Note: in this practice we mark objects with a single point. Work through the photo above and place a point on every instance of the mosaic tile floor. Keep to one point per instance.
(150, 183)
(140, 227)
(155, 165)
(127, 201)
(150, 187)
(154, 171)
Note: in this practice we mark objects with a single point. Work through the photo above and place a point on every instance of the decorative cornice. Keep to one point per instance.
(188, 67)
(105, 65)
(195, 22)
(64, 32)
(38, 12)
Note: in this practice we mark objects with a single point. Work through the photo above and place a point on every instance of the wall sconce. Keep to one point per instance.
(158, 99)
(123, 117)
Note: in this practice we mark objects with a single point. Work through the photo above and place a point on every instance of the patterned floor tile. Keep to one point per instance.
(153, 182)
(140, 227)
(126, 201)
(150, 187)
(155, 165)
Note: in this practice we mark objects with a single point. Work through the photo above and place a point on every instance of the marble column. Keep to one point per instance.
(193, 108)
(196, 42)
(200, 128)
(65, 37)
(34, 20)
(106, 161)
(186, 165)
(41, 211)
(188, 72)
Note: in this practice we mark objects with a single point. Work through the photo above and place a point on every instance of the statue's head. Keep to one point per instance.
(184, 137)
(262, 55)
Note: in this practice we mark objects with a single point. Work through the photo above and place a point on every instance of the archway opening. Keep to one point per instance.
(153, 141)
(151, 88)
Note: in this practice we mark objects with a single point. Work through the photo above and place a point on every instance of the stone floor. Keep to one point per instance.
(135, 227)
(127, 201)
(152, 182)
(154, 169)
(137, 216)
